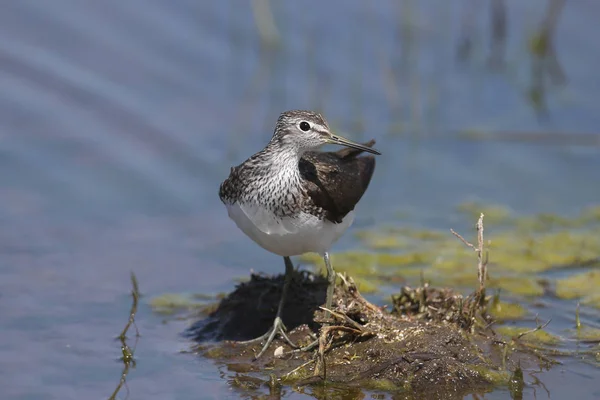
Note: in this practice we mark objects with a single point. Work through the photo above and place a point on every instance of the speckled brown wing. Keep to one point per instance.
(336, 181)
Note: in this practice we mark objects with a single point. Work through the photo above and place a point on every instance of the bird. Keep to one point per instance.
(292, 199)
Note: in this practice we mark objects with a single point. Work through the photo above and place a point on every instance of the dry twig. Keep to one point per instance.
(537, 328)
(481, 261)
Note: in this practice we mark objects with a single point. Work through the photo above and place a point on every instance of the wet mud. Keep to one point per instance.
(429, 342)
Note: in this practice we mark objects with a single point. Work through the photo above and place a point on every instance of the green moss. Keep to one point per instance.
(523, 285)
(524, 253)
(172, 303)
(579, 285)
(384, 242)
(538, 337)
(404, 259)
(365, 264)
(398, 238)
(367, 286)
(544, 222)
(495, 377)
(507, 311)
(519, 263)
(592, 334)
(518, 249)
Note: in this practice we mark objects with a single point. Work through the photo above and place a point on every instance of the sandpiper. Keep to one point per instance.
(291, 199)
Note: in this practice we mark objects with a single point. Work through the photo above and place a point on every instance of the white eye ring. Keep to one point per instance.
(304, 126)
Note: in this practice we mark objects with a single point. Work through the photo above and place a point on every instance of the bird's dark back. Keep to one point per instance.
(336, 181)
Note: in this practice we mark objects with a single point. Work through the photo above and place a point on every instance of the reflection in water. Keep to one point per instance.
(544, 63)
(544, 60)
(128, 352)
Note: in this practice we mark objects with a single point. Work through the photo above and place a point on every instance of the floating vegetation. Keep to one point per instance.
(587, 334)
(502, 311)
(522, 247)
(538, 336)
(584, 285)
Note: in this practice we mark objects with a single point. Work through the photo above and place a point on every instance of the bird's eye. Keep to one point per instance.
(305, 126)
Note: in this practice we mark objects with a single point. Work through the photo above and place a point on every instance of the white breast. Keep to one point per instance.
(287, 236)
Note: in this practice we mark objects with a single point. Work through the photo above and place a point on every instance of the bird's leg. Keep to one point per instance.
(331, 280)
(278, 326)
(328, 298)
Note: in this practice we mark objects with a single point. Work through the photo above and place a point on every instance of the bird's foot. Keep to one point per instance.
(277, 328)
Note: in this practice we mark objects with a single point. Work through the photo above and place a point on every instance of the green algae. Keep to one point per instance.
(539, 336)
(495, 377)
(546, 221)
(174, 303)
(501, 310)
(543, 252)
(583, 285)
(521, 285)
(516, 257)
(366, 264)
(419, 233)
(375, 241)
(588, 334)
(367, 286)
(399, 238)
(519, 248)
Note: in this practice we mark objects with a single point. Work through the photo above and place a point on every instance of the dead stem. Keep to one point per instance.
(537, 328)
(324, 347)
(481, 261)
(345, 318)
(126, 351)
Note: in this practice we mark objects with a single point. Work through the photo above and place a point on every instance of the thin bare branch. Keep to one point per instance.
(463, 239)
(537, 328)
(481, 261)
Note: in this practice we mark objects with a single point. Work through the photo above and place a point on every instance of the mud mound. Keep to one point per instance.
(434, 342)
(250, 309)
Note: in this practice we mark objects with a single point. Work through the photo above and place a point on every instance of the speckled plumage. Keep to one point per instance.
(327, 185)
(292, 200)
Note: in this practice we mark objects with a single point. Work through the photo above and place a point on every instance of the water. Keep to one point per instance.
(118, 120)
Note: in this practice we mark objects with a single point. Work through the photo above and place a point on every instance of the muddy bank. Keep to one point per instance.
(431, 342)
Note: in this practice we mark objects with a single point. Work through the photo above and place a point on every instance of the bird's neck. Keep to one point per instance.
(282, 156)
(276, 170)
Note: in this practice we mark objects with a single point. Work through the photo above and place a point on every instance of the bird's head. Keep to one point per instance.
(307, 131)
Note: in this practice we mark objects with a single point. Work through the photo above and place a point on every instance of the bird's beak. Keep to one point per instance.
(336, 139)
